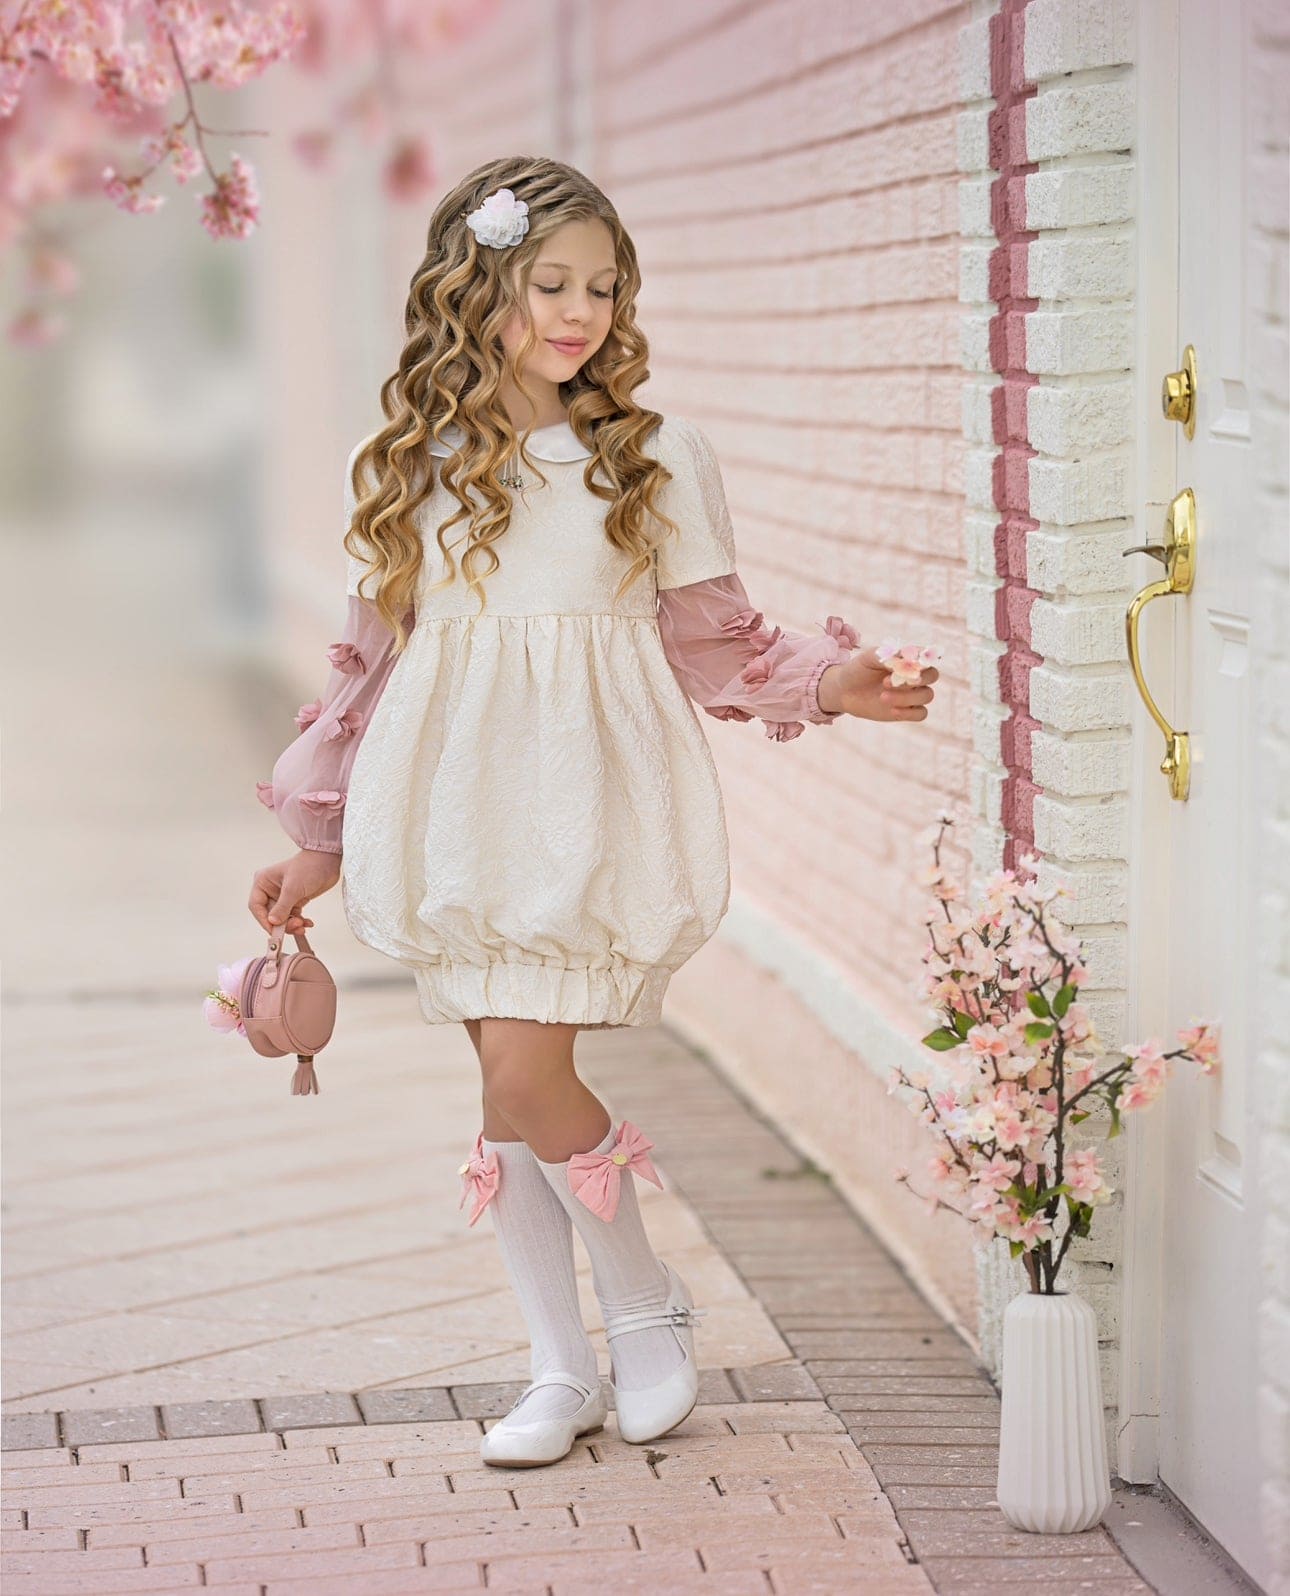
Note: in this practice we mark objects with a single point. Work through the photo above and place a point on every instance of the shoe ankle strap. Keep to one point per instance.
(559, 1377)
(647, 1318)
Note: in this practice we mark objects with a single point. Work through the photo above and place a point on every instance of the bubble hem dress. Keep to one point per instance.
(526, 805)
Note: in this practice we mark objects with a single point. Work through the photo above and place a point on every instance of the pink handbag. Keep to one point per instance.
(288, 1004)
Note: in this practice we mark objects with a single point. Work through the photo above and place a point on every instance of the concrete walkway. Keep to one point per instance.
(250, 1341)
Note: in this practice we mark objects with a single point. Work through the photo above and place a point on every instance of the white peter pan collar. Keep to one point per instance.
(557, 442)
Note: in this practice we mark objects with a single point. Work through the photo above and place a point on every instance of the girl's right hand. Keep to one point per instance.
(280, 891)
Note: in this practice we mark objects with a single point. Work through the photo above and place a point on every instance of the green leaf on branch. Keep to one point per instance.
(941, 1040)
(1077, 1114)
(963, 1023)
(1037, 1003)
(1063, 1000)
(1038, 1030)
(1014, 1247)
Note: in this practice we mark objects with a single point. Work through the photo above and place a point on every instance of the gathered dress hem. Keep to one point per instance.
(594, 997)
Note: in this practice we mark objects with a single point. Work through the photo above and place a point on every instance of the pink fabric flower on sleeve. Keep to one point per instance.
(264, 792)
(480, 1176)
(307, 714)
(346, 657)
(595, 1179)
(744, 623)
(323, 802)
(845, 633)
(346, 725)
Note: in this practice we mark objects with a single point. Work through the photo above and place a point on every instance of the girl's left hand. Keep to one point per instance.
(862, 685)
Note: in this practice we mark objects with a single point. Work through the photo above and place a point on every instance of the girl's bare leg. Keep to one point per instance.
(532, 1089)
(496, 1129)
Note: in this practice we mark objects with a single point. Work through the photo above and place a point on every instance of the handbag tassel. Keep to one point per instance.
(305, 1080)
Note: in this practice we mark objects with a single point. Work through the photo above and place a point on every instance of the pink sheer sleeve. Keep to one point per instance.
(308, 787)
(736, 667)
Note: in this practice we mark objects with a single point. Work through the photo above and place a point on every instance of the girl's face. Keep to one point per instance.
(570, 301)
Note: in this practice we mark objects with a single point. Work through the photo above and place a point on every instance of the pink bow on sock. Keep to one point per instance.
(595, 1178)
(479, 1178)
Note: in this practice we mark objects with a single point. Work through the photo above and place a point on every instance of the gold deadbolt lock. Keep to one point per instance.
(1177, 553)
(1178, 394)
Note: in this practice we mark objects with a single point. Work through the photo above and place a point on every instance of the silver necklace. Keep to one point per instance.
(513, 481)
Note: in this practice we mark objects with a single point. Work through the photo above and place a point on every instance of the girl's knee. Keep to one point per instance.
(520, 1066)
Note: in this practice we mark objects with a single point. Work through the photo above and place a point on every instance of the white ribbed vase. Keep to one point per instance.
(1053, 1472)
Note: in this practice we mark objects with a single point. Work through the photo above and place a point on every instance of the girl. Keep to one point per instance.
(512, 786)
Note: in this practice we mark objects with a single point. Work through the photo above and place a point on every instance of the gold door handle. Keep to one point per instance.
(1178, 555)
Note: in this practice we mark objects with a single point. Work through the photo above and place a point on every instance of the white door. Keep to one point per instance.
(1195, 923)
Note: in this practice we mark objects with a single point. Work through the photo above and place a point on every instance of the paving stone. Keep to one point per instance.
(111, 1424)
(185, 1420)
(774, 1382)
(486, 1401)
(304, 1412)
(27, 1430)
(406, 1406)
(915, 1496)
(715, 1385)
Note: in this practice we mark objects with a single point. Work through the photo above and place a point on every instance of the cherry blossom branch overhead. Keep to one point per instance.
(99, 100)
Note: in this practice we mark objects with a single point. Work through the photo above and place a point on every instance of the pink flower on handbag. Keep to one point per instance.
(345, 725)
(845, 633)
(324, 801)
(595, 1179)
(346, 657)
(264, 792)
(307, 714)
(222, 1007)
(480, 1176)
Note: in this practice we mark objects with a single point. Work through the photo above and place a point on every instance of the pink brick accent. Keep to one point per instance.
(1008, 283)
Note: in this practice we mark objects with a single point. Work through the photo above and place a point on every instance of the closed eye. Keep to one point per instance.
(600, 294)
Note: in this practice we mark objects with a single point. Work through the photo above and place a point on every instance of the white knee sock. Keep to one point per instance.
(627, 1274)
(535, 1237)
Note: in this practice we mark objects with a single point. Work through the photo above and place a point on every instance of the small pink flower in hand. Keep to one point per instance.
(907, 661)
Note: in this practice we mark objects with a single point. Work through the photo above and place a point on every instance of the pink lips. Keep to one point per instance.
(568, 348)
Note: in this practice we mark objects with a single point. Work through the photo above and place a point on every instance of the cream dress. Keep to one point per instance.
(534, 823)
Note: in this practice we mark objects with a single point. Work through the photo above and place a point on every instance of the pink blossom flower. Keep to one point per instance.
(221, 1007)
(234, 208)
(907, 661)
(307, 714)
(1139, 1094)
(997, 1173)
(1201, 1042)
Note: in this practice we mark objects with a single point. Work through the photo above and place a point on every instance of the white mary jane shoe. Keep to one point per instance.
(645, 1415)
(518, 1443)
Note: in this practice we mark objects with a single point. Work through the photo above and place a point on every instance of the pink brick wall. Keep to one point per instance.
(789, 174)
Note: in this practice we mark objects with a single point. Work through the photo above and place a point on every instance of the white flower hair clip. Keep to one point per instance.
(500, 221)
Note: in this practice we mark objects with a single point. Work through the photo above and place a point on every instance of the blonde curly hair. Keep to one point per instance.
(451, 370)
